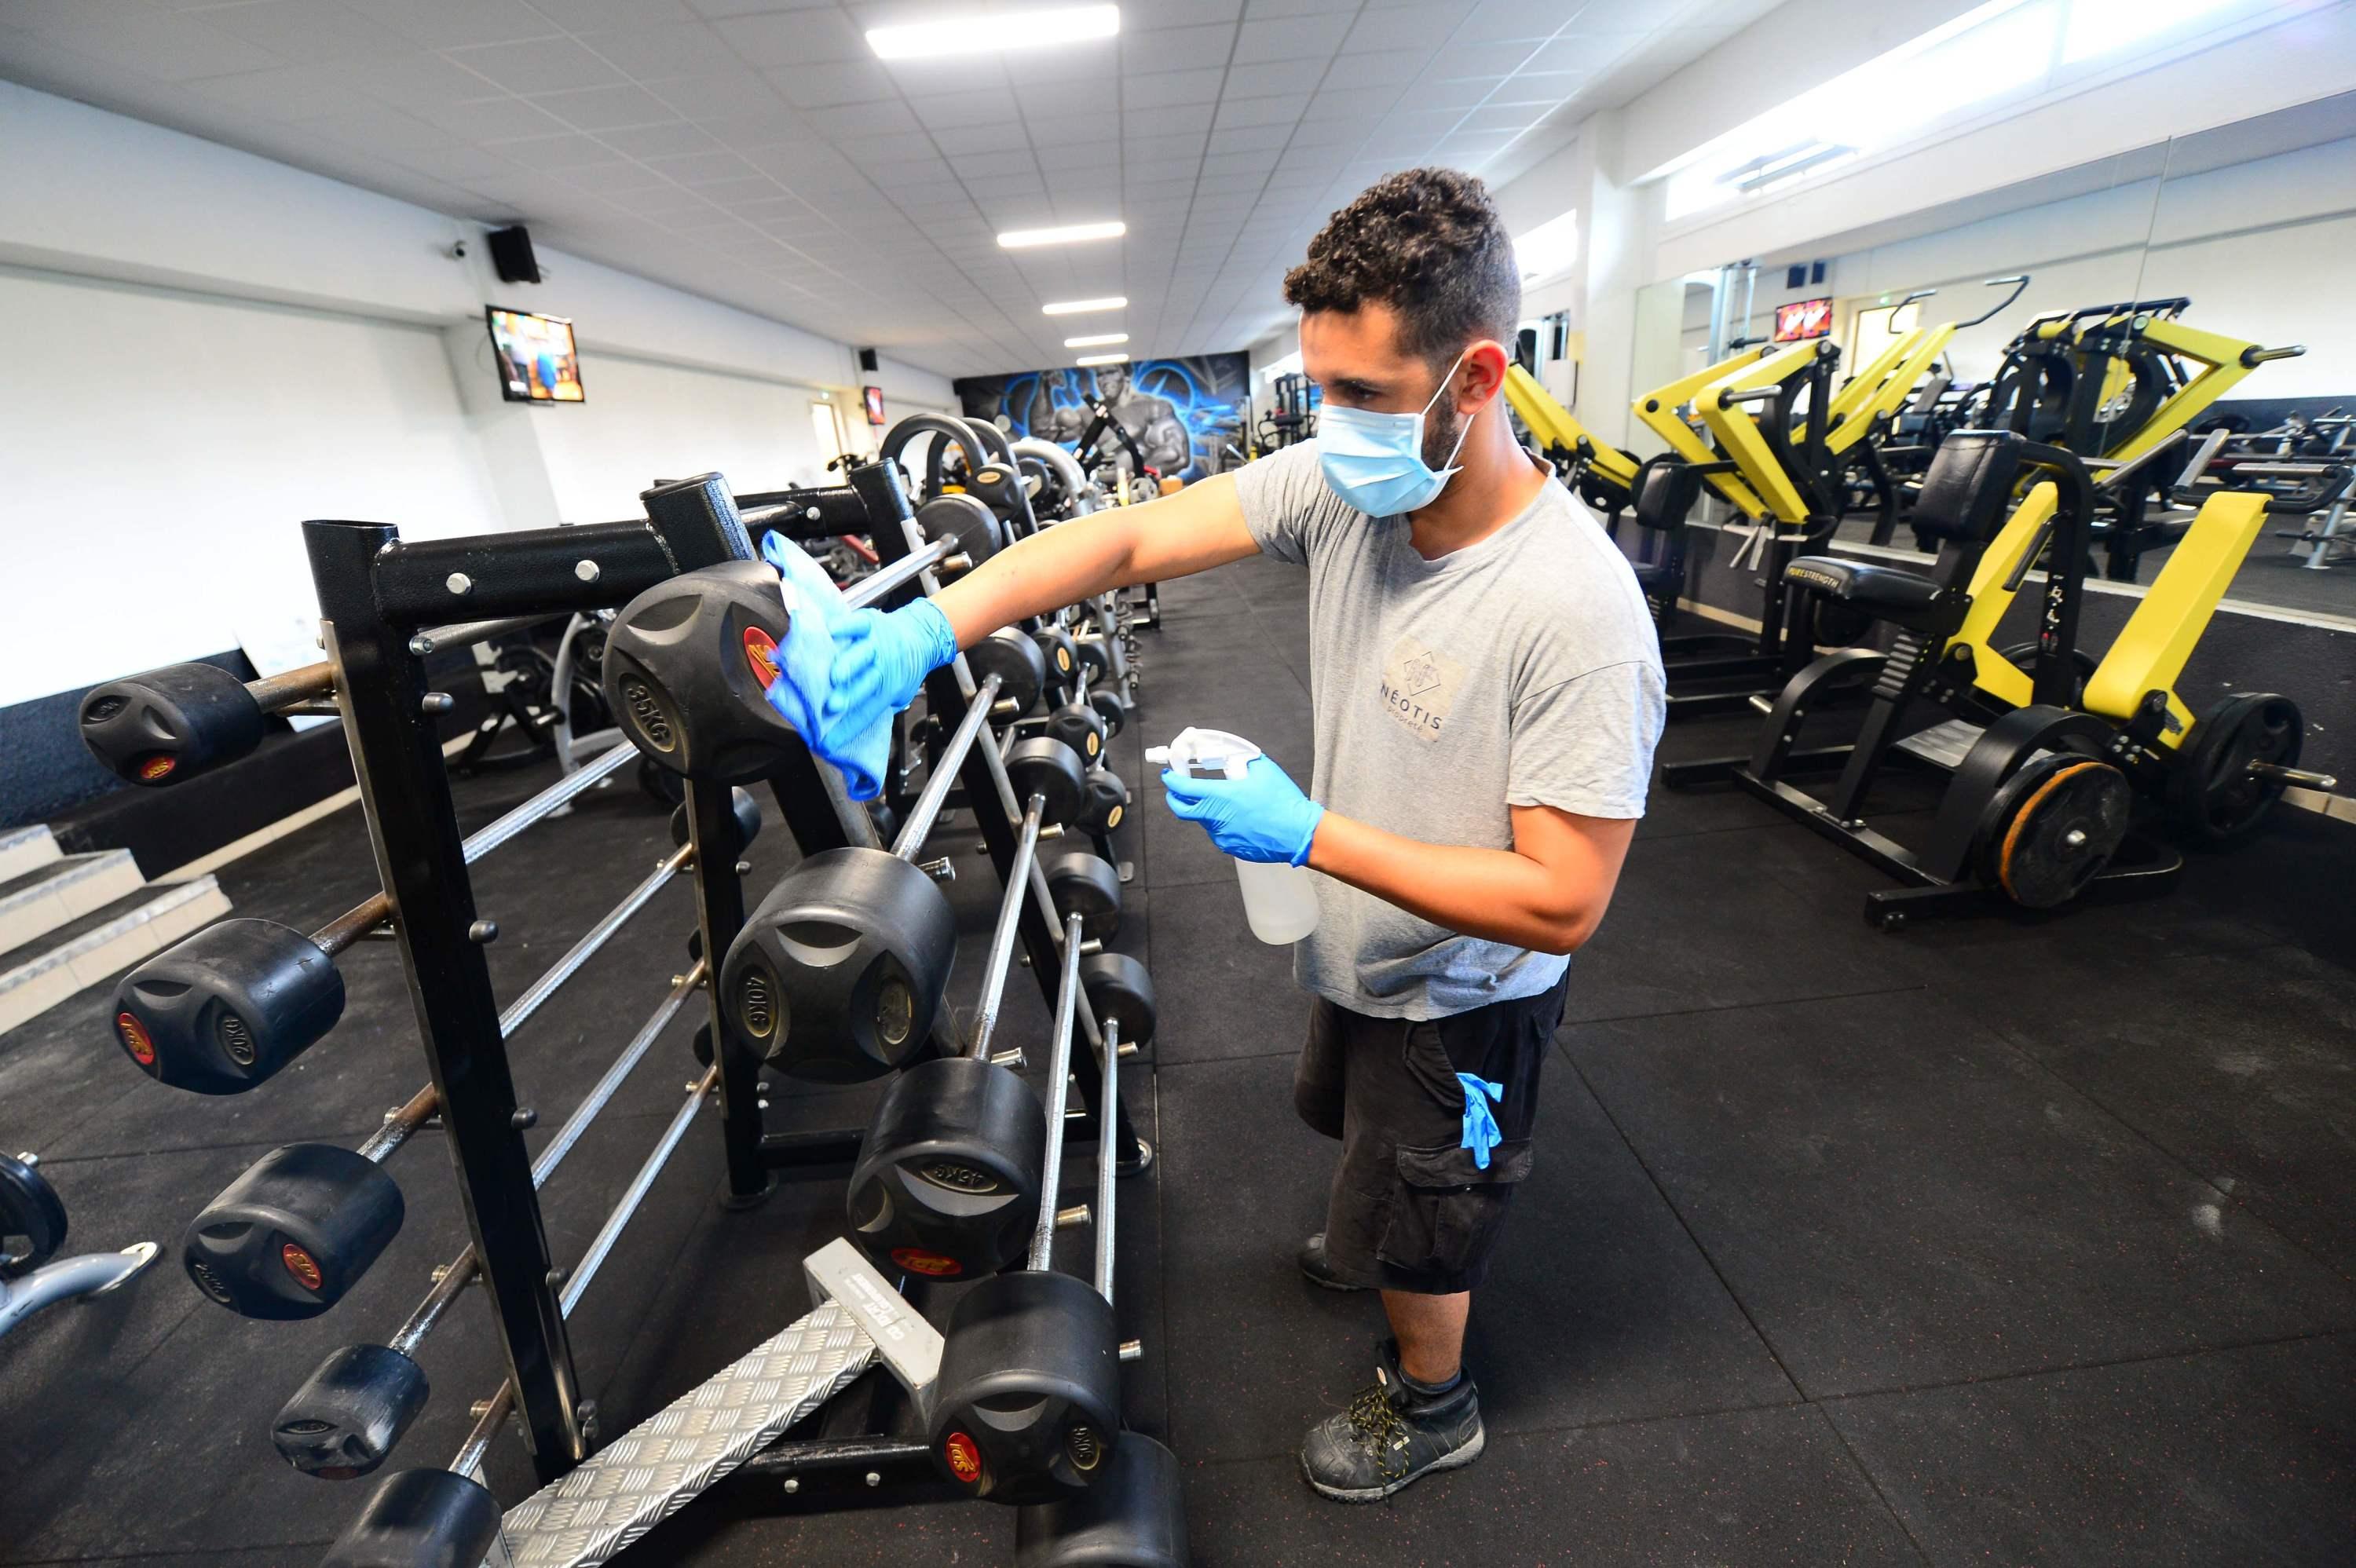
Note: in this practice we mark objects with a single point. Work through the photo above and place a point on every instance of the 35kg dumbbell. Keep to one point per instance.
(290, 1236)
(688, 667)
(172, 723)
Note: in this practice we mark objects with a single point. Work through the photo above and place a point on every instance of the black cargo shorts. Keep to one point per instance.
(1410, 1210)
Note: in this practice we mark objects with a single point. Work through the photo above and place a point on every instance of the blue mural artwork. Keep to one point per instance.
(1183, 414)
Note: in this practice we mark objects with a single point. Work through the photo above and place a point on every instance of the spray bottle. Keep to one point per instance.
(1279, 901)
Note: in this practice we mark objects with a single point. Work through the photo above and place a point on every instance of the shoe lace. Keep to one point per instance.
(1374, 1423)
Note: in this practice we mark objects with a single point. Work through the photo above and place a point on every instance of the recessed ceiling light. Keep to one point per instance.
(1073, 308)
(1102, 359)
(1000, 34)
(1071, 233)
(1095, 339)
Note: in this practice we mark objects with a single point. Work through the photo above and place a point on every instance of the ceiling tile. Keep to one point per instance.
(828, 85)
(1098, 95)
(1292, 37)
(679, 49)
(454, 24)
(794, 37)
(1359, 73)
(605, 108)
(594, 15)
(570, 150)
(161, 44)
(1175, 48)
(544, 65)
(282, 92)
(308, 32)
(1261, 139)
(668, 139)
(1237, 113)
(1155, 124)
(1274, 77)
(492, 119)
(1492, 19)
(1161, 89)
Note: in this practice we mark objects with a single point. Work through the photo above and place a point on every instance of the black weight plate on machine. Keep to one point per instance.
(2023, 657)
(1016, 661)
(947, 1180)
(1107, 802)
(1118, 987)
(838, 977)
(289, 1237)
(1027, 1405)
(32, 1218)
(170, 724)
(1085, 883)
(1045, 766)
(1080, 727)
(1134, 1517)
(224, 1009)
(2212, 796)
(2052, 828)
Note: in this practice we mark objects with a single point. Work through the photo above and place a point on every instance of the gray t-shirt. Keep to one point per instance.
(1522, 670)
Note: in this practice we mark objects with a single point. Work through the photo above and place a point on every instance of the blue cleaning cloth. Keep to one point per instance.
(805, 662)
(1481, 1134)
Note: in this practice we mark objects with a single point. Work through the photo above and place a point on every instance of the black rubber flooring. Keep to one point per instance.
(1999, 1242)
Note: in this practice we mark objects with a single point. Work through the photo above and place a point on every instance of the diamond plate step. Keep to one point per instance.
(1944, 744)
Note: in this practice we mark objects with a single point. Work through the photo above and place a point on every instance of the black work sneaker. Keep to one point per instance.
(1391, 1436)
(1319, 1267)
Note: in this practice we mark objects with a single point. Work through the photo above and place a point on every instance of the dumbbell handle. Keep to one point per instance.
(1059, 1073)
(1001, 938)
(944, 776)
(1108, 1163)
(399, 1122)
(452, 1280)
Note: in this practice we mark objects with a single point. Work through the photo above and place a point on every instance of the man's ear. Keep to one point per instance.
(1483, 373)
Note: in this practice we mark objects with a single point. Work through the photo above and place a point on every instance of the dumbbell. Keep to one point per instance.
(949, 1182)
(348, 1415)
(176, 722)
(299, 1228)
(1107, 803)
(1085, 886)
(1060, 650)
(688, 664)
(972, 527)
(1026, 1407)
(839, 974)
(1016, 661)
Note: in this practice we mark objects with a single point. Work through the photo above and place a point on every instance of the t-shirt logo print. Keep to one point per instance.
(1419, 687)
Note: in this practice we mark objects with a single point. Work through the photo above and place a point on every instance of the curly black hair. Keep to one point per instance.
(1428, 244)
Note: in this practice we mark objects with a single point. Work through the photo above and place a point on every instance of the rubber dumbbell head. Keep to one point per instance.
(1107, 803)
(1110, 708)
(839, 974)
(421, 1519)
(32, 1218)
(345, 1419)
(1045, 766)
(974, 526)
(222, 1010)
(1016, 661)
(289, 1237)
(947, 1180)
(1026, 1407)
(747, 814)
(1080, 727)
(1062, 652)
(1083, 883)
(687, 667)
(1135, 1515)
(170, 724)
(1093, 657)
(1118, 987)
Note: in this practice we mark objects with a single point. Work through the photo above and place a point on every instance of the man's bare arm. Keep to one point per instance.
(1199, 527)
(1547, 892)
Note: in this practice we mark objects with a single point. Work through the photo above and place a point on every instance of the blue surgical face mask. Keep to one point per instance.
(1375, 461)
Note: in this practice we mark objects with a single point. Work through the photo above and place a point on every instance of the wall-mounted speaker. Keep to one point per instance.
(867, 361)
(1816, 272)
(1795, 277)
(511, 255)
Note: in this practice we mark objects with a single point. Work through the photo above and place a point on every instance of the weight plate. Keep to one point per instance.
(32, 1218)
(2023, 657)
(2053, 826)
(2212, 796)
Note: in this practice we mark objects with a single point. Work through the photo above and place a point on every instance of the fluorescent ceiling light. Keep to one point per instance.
(1002, 33)
(1095, 339)
(2098, 27)
(1075, 308)
(1102, 359)
(1071, 233)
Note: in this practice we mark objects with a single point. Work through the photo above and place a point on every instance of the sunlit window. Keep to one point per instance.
(1551, 248)
(2098, 27)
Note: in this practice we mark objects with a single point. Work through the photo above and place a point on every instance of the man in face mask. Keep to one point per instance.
(1487, 691)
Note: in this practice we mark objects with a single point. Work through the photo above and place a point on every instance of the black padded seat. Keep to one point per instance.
(1665, 491)
(1885, 590)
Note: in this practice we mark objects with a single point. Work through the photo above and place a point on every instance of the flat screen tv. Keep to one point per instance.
(1803, 319)
(538, 361)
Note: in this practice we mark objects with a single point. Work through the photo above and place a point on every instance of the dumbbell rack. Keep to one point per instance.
(376, 593)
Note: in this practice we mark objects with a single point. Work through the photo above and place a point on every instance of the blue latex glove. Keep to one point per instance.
(881, 658)
(1481, 1134)
(1261, 817)
(810, 666)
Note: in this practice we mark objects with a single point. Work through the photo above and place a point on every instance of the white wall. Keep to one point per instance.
(160, 450)
(202, 348)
